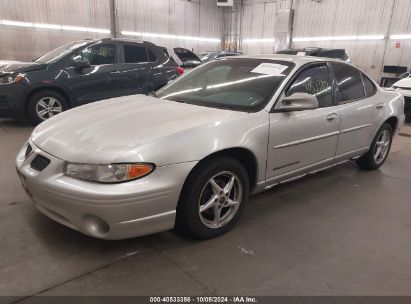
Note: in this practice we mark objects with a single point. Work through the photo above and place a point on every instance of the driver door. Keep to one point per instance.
(302, 141)
(100, 80)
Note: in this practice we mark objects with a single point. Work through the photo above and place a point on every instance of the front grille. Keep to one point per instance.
(28, 151)
(39, 163)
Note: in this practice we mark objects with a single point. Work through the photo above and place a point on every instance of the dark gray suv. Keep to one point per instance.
(81, 72)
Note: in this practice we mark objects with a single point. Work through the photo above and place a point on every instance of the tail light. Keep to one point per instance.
(180, 71)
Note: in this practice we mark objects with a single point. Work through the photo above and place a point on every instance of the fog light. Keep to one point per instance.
(95, 226)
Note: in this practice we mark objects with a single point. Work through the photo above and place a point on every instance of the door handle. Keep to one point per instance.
(115, 72)
(379, 106)
(332, 117)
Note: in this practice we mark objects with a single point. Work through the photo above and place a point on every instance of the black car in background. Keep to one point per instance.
(318, 52)
(213, 55)
(81, 72)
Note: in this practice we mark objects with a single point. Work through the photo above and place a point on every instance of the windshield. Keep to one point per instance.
(58, 53)
(238, 84)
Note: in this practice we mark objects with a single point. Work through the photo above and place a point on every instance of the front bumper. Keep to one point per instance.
(107, 211)
(12, 101)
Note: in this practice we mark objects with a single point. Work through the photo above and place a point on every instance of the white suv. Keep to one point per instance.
(403, 86)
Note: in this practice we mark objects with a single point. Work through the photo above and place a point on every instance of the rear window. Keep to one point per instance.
(185, 55)
(135, 54)
(369, 86)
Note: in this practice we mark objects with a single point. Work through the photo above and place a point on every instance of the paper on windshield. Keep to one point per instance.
(274, 69)
(301, 54)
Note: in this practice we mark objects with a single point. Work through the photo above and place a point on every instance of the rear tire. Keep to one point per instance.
(379, 149)
(45, 104)
(212, 198)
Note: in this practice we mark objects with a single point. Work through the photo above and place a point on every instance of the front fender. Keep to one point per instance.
(247, 131)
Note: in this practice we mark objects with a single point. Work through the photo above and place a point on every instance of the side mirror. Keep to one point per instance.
(298, 102)
(81, 64)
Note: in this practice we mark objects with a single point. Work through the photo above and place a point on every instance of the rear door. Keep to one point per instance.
(133, 72)
(360, 109)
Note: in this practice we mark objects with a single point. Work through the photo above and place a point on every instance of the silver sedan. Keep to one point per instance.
(190, 155)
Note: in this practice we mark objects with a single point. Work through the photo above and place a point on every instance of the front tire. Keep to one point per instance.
(44, 105)
(212, 198)
(379, 149)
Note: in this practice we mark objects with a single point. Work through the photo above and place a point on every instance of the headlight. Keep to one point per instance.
(114, 173)
(12, 78)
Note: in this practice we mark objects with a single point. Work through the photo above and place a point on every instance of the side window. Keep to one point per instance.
(349, 82)
(98, 54)
(151, 56)
(315, 81)
(135, 54)
(369, 87)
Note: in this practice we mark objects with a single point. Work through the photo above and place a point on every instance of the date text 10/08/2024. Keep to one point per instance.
(204, 299)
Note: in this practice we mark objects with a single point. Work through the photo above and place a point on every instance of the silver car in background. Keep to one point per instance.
(190, 155)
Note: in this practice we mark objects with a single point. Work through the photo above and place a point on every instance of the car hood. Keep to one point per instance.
(19, 67)
(3, 63)
(103, 131)
(403, 83)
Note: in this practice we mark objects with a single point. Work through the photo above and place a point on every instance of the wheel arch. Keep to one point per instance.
(243, 155)
(393, 121)
(54, 88)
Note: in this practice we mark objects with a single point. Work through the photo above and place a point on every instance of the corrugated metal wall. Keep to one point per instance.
(177, 17)
(259, 21)
(323, 18)
(357, 17)
(21, 43)
(254, 19)
(248, 19)
(200, 18)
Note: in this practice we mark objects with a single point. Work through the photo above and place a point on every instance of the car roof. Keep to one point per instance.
(298, 60)
(312, 49)
(122, 40)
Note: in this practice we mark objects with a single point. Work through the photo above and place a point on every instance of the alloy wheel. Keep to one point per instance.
(382, 146)
(220, 199)
(47, 107)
